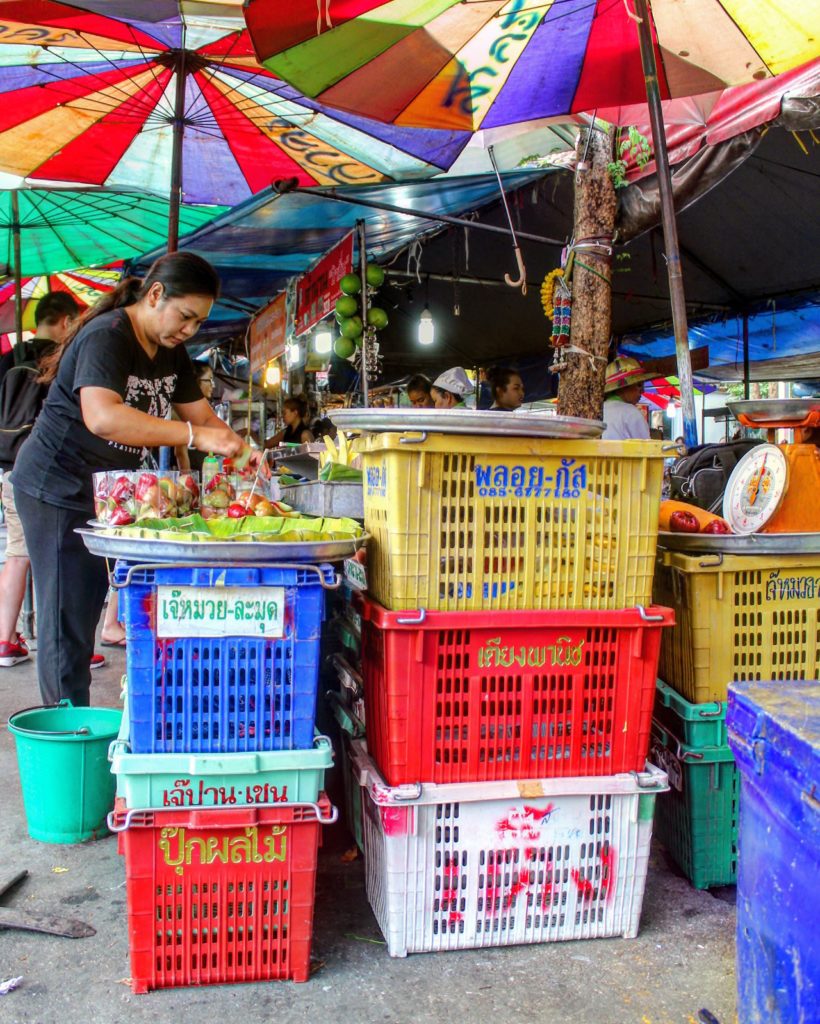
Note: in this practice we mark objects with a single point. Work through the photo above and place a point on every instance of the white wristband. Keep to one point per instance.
(190, 434)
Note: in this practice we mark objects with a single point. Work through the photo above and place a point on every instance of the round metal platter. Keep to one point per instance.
(775, 410)
(465, 421)
(156, 550)
(742, 544)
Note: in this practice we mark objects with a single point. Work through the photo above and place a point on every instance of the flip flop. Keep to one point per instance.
(112, 643)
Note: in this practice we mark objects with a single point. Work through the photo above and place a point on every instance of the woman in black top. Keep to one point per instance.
(115, 384)
(296, 430)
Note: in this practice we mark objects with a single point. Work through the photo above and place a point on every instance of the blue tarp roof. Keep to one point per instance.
(790, 327)
(263, 242)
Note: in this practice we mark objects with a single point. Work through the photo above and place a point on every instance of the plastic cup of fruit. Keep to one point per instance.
(114, 497)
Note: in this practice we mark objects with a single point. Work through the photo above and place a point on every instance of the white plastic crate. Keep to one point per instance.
(506, 863)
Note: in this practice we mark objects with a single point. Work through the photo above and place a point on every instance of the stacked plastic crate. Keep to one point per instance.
(219, 771)
(509, 670)
(737, 618)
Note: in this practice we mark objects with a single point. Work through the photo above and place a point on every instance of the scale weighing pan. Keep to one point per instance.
(770, 413)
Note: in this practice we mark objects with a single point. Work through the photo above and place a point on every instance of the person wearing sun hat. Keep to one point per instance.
(450, 387)
(623, 390)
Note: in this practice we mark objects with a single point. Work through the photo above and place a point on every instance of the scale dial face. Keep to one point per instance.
(756, 488)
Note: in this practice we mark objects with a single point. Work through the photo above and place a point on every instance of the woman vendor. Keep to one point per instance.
(507, 389)
(115, 383)
(296, 429)
(450, 388)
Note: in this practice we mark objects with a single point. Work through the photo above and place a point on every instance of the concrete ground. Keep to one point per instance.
(682, 961)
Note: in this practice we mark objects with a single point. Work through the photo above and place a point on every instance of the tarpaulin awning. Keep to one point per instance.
(263, 242)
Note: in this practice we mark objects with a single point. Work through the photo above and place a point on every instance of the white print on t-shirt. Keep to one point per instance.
(158, 392)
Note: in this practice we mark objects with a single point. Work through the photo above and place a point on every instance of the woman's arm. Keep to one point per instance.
(106, 415)
(306, 437)
(273, 442)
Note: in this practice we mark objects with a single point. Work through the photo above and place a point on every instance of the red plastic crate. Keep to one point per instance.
(220, 895)
(482, 696)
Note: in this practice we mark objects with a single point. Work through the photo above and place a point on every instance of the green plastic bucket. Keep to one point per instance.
(62, 756)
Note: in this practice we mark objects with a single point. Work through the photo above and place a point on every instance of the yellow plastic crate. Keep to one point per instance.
(468, 522)
(738, 617)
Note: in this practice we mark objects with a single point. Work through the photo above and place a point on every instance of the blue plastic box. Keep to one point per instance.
(774, 730)
(222, 660)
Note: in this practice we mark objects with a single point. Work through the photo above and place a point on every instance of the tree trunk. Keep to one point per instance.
(581, 388)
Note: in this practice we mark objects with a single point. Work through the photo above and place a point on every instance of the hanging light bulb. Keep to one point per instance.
(322, 342)
(273, 375)
(427, 327)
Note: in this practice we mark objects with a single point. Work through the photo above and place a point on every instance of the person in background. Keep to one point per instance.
(450, 388)
(623, 390)
(115, 382)
(680, 444)
(189, 459)
(507, 389)
(323, 428)
(418, 392)
(296, 429)
(54, 316)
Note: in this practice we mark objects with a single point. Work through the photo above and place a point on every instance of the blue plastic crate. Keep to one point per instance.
(774, 730)
(226, 693)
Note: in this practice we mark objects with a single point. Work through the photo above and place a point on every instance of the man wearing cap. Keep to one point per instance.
(450, 388)
(623, 388)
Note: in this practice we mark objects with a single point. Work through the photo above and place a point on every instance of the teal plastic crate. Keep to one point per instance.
(699, 725)
(697, 819)
(218, 780)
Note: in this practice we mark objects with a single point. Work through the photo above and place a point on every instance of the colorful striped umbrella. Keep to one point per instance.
(470, 65)
(170, 102)
(85, 284)
(60, 228)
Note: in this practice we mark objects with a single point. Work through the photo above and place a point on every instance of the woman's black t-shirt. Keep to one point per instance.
(293, 435)
(57, 461)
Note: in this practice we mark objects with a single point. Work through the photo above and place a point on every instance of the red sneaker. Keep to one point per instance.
(21, 642)
(97, 660)
(12, 654)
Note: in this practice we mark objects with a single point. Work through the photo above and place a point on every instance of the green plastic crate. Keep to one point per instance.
(697, 819)
(699, 725)
(218, 780)
(351, 729)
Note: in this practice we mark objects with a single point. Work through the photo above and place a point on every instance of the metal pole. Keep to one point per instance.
(289, 185)
(176, 153)
(19, 354)
(746, 371)
(361, 230)
(670, 230)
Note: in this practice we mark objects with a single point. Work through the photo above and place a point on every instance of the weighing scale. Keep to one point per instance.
(775, 488)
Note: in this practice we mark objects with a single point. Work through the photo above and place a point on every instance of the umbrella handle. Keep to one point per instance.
(521, 282)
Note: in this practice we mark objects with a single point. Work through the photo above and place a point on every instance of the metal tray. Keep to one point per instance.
(742, 544)
(334, 499)
(155, 550)
(775, 410)
(466, 421)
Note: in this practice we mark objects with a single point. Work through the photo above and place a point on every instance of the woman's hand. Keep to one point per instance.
(219, 440)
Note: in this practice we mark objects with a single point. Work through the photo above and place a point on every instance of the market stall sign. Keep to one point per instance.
(221, 611)
(318, 289)
(268, 333)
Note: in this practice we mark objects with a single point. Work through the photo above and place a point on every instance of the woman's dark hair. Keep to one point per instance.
(298, 404)
(498, 377)
(419, 383)
(179, 273)
(200, 369)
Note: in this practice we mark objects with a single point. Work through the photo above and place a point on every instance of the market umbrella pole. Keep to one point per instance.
(19, 355)
(176, 154)
(361, 230)
(670, 228)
